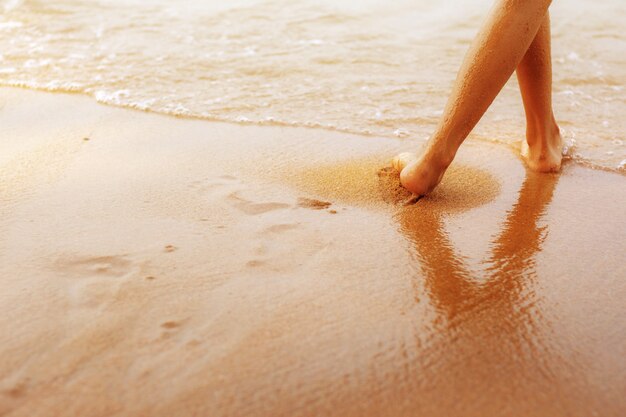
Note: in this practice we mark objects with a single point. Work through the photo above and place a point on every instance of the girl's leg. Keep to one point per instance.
(495, 53)
(543, 147)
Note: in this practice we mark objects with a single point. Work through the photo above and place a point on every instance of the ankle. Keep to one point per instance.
(439, 157)
(543, 135)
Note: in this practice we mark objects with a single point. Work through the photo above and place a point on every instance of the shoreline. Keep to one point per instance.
(162, 266)
(513, 147)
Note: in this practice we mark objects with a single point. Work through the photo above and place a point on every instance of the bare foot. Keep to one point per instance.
(544, 154)
(419, 174)
(403, 159)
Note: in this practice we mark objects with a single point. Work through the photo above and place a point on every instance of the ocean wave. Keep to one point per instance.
(365, 70)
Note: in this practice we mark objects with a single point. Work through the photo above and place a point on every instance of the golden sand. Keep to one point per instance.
(154, 266)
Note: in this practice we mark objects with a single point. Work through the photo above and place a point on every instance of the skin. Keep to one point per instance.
(515, 37)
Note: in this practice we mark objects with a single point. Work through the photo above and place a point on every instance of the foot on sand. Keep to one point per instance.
(543, 153)
(420, 174)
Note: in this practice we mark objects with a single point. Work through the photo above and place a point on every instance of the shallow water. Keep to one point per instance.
(364, 67)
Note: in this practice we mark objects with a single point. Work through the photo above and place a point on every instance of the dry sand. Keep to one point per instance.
(153, 266)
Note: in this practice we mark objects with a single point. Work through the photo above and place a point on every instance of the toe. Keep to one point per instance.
(402, 160)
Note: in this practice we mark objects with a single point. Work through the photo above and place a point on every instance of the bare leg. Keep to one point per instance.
(495, 53)
(543, 147)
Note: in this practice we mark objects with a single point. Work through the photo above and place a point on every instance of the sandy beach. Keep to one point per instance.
(159, 266)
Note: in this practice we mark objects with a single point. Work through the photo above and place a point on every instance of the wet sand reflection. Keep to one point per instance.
(508, 269)
(486, 335)
(490, 338)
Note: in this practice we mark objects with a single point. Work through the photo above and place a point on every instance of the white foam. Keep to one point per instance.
(12, 4)
(312, 42)
(143, 105)
(10, 25)
(37, 63)
(401, 133)
(54, 85)
(573, 56)
(114, 97)
(569, 146)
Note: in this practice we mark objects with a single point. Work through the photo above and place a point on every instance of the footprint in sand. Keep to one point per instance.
(170, 324)
(313, 204)
(210, 184)
(256, 263)
(276, 248)
(279, 228)
(16, 390)
(217, 186)
(227, 188)
(95, 280)
(103, 266)
(169, 329)
(253, 208)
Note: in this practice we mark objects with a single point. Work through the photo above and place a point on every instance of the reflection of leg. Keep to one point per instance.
(446, 274)
(521, 239)
(542, 149)
(492, 58)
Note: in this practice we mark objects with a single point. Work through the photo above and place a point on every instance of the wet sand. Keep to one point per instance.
(154, 266)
